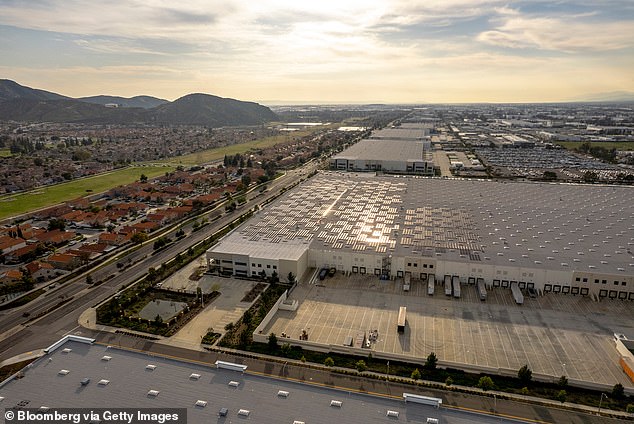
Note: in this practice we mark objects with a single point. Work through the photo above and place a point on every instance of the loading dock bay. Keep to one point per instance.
(554, 334)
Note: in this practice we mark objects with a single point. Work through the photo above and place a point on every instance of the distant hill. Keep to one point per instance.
(12, 90)
(613, 96)
(145, 102)
(19, 103)
(205, 109)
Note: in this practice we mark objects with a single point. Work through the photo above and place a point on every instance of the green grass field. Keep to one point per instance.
(16, 204)
(211, 155)
(618, 145)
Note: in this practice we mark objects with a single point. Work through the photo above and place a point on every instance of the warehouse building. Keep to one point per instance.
(401, 150)
(562, 238)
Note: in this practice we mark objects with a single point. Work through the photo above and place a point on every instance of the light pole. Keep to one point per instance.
(600, 402)
(495, 404)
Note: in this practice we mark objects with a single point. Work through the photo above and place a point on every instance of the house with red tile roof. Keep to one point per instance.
(10, 276)
(41, 271)
(9, 244)
(65, 261)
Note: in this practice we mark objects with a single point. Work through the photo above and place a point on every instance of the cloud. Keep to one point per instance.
(570, 34)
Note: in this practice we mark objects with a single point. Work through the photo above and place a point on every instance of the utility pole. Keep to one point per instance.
(600, 402)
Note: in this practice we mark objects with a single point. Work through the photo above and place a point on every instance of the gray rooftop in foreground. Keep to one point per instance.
(130, 382)
(383, 150)
(564, 227)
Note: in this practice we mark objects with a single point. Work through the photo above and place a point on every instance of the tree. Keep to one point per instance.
(360, 365)
(561, 396)
(485, 383)
(143, 178)
(158, 319)
(138, 238)
(524, 391)
(525, 374)
(563, 381)
(329, 362)
(56, 224)
(630, 408)
(415, 374)
(449, 381)
(272, 342)
(286, 348)
(302, 359)
(431, 362)
(618, 392)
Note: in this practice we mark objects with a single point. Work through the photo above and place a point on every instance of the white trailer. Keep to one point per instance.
(517, 293)
(231, 366)
(448, 289)
(482, 291)
(407, 282)
(425, 400)
(455, 283)
(431, 282)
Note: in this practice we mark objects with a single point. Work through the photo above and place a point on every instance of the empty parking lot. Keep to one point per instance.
(554, 334)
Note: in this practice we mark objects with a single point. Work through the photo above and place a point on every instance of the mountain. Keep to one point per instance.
(12, 90)
(19, 103)
(612, 96)
(145, 102)
(205, 109)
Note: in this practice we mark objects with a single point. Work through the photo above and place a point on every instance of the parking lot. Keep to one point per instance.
(554, 334)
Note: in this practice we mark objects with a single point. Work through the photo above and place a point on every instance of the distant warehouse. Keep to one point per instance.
(402, 150)
(562, 238)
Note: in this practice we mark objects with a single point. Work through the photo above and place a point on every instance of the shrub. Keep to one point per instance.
(272, 342)
(431, 362)
(449, 381)
(360, 365)
(415, 374)
(618, 392)
(525, 374)
(561, 396)
(329, 362)
(563, 381)
(485, 383)
(524, 391)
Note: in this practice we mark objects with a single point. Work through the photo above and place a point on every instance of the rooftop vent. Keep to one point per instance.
(153, 393)
(392, 414)
(63, 372)
(67, 350)
(234, 383)
(244, 412)
(150, 367)
(194, 376)
(106, 358)
(103, 382)
(336, 403)
(283, 393)
(201, 403)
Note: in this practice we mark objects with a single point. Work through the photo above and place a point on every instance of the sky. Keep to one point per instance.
(326, 51)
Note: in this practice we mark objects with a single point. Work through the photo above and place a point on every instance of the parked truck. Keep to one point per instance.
(482, 291)
(431, 283)
(517, 293)
(406, 282)
(448, 289)
(455, 284)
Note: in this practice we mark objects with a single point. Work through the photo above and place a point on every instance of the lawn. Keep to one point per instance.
(219, 153)
(618, 145)
(16, 204)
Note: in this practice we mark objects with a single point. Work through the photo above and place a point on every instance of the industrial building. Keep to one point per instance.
(562, 238)
(78, 373)
(404, 150)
